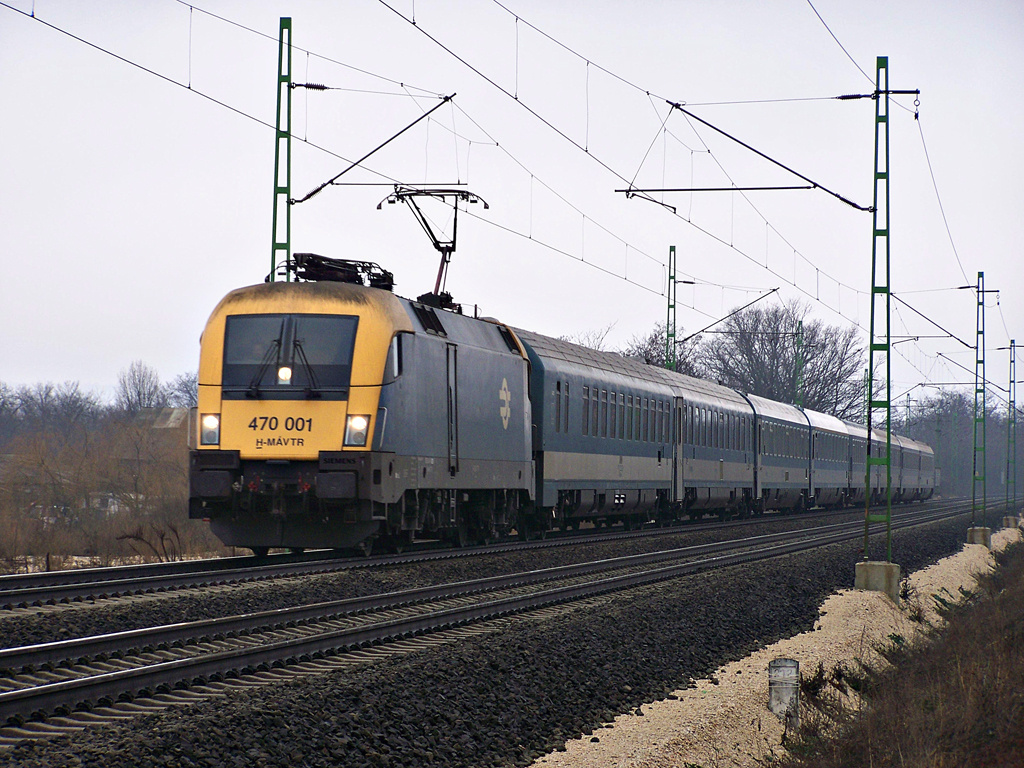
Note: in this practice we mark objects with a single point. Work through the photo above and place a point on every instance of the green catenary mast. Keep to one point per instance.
(282, 221)
(978, 471)
(1011, 435)
(799, 398)
(879, 340)
(670, 321)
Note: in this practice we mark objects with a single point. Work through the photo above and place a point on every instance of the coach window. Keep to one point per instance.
(622, 416)
(611, 416)
(595, 412)
(558, 406)
(604, 413)
(565, 413)
(586, 410)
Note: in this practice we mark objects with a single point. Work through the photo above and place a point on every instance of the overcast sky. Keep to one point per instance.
(132, 201)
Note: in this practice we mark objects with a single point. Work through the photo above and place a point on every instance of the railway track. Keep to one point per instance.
(146, 663)
(57, 587)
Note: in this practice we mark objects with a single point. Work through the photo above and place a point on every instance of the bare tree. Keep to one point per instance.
(594, 339)
(756, 351)
(183, 391)
(651, 349)
(138, 387)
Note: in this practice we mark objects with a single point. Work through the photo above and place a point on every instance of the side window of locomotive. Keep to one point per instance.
(394, 365)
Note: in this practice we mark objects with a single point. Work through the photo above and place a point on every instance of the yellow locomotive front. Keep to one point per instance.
(289, 382)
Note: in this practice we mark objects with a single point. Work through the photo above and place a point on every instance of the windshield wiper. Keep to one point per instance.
(312, 387)
(254, 385)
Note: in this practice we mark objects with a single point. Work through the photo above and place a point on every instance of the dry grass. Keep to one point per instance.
(957, 699)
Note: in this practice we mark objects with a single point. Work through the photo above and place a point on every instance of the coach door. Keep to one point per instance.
(678, 487)
(453, 410)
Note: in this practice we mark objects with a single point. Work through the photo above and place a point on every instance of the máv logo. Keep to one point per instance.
(506, 399)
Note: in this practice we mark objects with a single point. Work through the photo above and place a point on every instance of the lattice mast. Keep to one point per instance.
(1011, 435)
(880, 341)
(670, 320)
(799, 395)
(282, 215)
(978, 468)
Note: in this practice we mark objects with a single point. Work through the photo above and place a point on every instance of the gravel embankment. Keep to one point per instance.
(84, 619)
(500, 699)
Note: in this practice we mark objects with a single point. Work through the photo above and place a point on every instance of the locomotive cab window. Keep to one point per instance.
(394, 365)
(288, 357)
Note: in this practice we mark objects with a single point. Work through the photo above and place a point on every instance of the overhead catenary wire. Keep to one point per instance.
(352, 164)
(843, 47)
(938, 198)
(521, 102)
(187, 87)
(730, 245)
(274, 39)
(818, 271)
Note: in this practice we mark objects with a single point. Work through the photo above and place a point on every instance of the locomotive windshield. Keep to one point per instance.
(288, 357)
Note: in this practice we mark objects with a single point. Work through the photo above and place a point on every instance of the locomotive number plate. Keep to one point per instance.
(268, 431)
(273, 423)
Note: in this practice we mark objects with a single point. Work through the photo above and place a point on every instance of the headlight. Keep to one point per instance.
(284, 375)
(209, 433)
(356, 429)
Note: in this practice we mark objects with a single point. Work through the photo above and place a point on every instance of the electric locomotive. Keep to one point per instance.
(333, 412)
